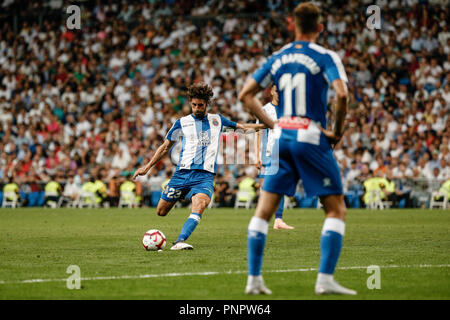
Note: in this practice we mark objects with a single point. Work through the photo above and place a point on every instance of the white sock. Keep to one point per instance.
(254, 279)
(324, 278)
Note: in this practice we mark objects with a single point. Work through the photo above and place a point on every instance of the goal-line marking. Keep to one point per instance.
(213, 273)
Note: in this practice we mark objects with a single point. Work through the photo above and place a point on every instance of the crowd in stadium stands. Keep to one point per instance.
(95, 103)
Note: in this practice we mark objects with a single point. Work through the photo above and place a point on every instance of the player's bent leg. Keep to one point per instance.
(200, 202)
(331, 240)
(164, 207)
(256, 239)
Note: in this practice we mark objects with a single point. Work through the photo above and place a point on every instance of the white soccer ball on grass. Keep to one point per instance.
(154, 240)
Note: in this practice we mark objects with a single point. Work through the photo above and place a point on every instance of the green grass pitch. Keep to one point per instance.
(411, 247)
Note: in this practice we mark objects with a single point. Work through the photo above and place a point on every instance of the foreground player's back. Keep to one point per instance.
(302, 72)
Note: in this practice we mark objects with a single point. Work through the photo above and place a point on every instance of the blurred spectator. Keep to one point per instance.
(11, 190)
(223, 194)
(394, 193)
(113, 188)
(100, 189)
(53, 191)
(71, 190)
(445, 188)
(91, 187)
(376, 183)
(129, 186)
(248, 186)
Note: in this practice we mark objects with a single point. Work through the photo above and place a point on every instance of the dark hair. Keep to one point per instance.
(306, 17)
(200, 91)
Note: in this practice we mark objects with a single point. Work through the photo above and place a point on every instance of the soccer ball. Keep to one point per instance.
(154, 240)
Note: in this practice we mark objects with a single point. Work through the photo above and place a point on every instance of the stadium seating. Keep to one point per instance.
(128, 199)
(86, 199)
(52, 204)
(376, 202)
(10, 200)
(107, 105)
(439, 200)
(243, 200)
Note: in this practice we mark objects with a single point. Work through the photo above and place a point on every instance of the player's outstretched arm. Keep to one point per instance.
(251, 126)
(248, 97)
(340, 112)
(160, 153)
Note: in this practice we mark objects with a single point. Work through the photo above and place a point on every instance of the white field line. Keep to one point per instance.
(215, 273)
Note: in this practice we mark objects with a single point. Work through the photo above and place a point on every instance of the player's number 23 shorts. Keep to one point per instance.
(187, 183)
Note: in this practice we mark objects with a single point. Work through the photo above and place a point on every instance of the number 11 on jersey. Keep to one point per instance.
(288, 84)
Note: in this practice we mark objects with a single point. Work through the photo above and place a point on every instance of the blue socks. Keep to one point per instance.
(330, 244)
(189, 226)
(256, 240)
(279, 213)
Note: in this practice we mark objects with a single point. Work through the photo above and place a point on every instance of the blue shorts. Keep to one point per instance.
(314, 164)
(265, 169)
(187, 183)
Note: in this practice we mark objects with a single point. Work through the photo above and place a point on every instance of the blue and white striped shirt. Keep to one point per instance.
(200, 140)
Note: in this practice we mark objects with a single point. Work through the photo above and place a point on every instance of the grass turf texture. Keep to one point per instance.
(42, 243)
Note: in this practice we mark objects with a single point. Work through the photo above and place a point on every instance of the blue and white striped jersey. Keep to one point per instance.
(200, 140)
(302, 72)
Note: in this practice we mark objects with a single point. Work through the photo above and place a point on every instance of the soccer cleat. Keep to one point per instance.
(181, 246)
(280, 224)
(255, 286)
(332, 287)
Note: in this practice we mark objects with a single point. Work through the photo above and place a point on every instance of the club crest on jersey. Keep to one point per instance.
(215, 122)
(203, 138)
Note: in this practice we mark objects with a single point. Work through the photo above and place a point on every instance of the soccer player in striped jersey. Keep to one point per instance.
(302, 71)
(200, 133)
(264, 146)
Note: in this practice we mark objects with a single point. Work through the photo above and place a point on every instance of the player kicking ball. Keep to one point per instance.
(264, 146)
(302, 72)
(200, 133)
